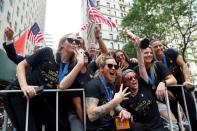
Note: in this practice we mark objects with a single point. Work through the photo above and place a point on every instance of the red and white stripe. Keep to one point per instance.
(35, 39)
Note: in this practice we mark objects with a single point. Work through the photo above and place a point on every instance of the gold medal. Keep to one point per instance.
(111, 113)
(153, 87)
(58, 86)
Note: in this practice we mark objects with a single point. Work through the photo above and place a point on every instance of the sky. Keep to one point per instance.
(62, 17)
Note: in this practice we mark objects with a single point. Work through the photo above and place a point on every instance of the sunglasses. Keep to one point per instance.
(110, 66)
(132, 77)
(71, 40)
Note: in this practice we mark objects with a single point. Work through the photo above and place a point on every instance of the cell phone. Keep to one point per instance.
(39, 89)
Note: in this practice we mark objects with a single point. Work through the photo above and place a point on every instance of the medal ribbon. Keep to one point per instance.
(63, 72)
(108, 90)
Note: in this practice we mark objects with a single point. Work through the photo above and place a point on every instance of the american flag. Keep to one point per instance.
(34, 34)
(96, 16)
(85, 26)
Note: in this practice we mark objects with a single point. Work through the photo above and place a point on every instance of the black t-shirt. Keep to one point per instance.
(131, 66)
(92, 68)
(95, 89)
(171, 56)
(81, 80)
(144, 108)
(161, 73)
(44, 69)
(84, 78)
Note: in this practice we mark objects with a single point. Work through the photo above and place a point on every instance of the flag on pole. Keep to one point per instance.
(96, 16)
(85, 26)
(34, 34)
(19, 44)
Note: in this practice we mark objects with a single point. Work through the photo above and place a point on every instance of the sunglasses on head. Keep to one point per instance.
(110, 66)
(71, 40)
(132, 77)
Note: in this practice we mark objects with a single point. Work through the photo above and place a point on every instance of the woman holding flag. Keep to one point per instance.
(48, 69)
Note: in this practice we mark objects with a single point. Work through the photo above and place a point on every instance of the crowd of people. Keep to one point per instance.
(121, 93)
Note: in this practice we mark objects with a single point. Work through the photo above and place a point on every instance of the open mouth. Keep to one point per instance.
(134, 84)
(112, 74)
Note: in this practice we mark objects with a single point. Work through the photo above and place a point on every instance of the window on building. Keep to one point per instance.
(118, 46)
(11, 2)
(28, 3)
(108, 4)
(114, 6)
(98, 3)
(111, 36)
(23, 5)
(108, 11)
(121, 14)
(0, 24)
(120, 7)
(8, 16)
(116, 21)
(17, 11)
(115, 13)
(122, 0)
(1, 5)
(123, 8)
(117, 38)
(20, 32)
(21, 19)
(15, 26)
(112, 45)
(4, 37)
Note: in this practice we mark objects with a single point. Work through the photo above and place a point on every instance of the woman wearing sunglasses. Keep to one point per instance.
(48, 69)
(77, 78)
(101, 99)
(157, 76)
(124, 63)
(141, 103)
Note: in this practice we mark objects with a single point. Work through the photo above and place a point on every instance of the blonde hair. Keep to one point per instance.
(61, 42)
(103, 60)
(153, 65)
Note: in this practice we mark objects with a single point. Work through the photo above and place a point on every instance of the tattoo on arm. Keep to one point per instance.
(94, 111)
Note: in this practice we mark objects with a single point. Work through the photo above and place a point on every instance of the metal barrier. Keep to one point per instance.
(185, 105)
(57, 104)
(84, 105)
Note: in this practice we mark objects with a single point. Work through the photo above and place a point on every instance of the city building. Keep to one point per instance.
(48, 38)
(115, 10)
(22, 14)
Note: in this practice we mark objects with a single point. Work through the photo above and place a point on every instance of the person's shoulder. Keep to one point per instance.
(94, 81)
(159, 66)
(92, 85)
(47, 49)
(171, 51)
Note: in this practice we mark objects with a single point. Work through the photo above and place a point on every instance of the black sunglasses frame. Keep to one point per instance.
(71, 40)
(110, 66)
